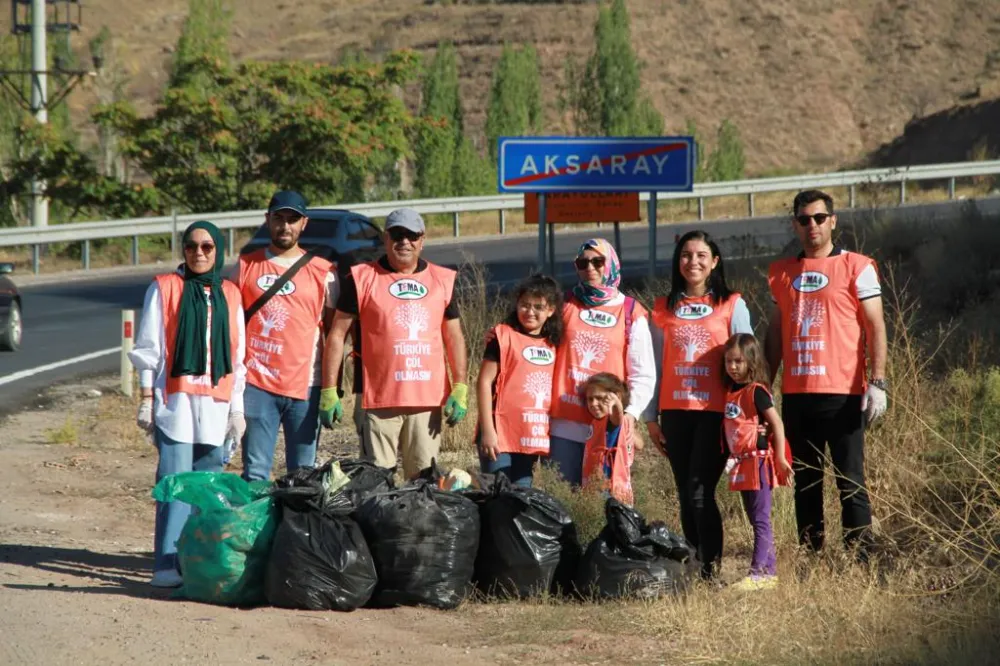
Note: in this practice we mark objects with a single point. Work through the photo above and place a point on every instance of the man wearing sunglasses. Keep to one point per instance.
(827, 315)
(284, 340)
(410, 337)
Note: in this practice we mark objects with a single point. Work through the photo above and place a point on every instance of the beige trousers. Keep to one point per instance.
(414, 433)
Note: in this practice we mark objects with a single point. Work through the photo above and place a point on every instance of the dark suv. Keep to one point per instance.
(348, 238)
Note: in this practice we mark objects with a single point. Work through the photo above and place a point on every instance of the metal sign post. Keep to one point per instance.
(595, 164)
(541, 232)
(651, 215)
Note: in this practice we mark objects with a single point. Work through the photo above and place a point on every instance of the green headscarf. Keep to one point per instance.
(192, 320)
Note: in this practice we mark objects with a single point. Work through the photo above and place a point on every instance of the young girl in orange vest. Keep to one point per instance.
(758, 460)
(515, 382)
(609, 454)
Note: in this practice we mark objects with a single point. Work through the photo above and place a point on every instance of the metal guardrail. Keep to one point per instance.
(85, 232)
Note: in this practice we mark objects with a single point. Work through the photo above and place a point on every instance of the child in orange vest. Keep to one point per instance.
(515, 381)
(608, 454)
(759, 458)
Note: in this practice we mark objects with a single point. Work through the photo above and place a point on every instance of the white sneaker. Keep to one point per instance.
(166, 578)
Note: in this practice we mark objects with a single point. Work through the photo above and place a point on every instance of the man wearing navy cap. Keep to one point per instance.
(284, 340)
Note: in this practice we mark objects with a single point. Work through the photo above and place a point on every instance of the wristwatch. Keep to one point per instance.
(880, 383)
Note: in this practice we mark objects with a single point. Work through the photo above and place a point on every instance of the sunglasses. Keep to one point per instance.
(206, 248)
(399, 234)
(581, 263)
(820, 218)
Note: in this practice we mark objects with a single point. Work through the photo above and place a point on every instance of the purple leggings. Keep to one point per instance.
(757, 504)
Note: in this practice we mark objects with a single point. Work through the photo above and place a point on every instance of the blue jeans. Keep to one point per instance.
(298, 419)
(170, 516)
(566, 457)
(515, 466)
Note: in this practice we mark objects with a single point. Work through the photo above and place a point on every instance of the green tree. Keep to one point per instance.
(515, 103)
(205, 35)
(438, 141)
(727, 161)
(473, 174)
(109, 86)
(605, 97)
(700, 172)
(320, 129)
(325, 131)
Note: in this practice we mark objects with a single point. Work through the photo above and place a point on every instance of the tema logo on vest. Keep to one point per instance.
(407, 290)
(810, 281)
(539, 355)
(693, 311)
(732, 410)
(265, 281)
(598, 318)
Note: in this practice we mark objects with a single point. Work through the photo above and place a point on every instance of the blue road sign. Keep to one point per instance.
(596, 164)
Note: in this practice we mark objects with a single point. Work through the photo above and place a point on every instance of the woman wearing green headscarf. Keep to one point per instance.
(189, 352)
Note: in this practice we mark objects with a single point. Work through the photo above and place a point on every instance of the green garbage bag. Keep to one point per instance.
(225, 545)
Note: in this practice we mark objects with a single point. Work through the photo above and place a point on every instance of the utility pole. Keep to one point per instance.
(39, 104)
(30, 20)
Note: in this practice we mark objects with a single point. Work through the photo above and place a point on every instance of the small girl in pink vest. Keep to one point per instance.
(759, 457)
(609, 453)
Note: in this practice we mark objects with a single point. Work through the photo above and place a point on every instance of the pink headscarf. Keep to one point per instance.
(610, 279)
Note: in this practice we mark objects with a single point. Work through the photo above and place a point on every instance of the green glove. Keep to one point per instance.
(330, 409)
(457, 405)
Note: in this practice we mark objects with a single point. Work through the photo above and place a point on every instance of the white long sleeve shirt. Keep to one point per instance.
(640, 375)
(195, 419)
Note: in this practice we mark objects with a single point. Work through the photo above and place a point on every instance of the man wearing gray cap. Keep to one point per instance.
(410, 337)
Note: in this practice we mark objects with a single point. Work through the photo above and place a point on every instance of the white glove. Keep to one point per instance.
(144, 417)
(236, 426)
(874, 403)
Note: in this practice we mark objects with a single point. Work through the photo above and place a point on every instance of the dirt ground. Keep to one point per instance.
(76, 532)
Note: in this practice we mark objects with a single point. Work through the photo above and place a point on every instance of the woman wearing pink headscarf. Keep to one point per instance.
(605, 331)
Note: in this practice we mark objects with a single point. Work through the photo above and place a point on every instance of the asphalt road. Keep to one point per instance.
(69, 319)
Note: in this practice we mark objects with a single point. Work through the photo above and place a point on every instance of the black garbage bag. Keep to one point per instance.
(319, 562)
(367, 479)
(528, 542)
(304, 489)
(631, 558)
(424, 542)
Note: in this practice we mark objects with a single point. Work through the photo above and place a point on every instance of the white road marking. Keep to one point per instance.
(30, 372)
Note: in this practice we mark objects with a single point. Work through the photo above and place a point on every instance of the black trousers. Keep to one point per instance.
(813, 422)
(698, 459)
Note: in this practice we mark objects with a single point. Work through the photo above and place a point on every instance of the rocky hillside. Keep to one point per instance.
(812, 84)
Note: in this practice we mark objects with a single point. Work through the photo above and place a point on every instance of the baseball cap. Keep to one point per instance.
(405, 218)
(288, 200)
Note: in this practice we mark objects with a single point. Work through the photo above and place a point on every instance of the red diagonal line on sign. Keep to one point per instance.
(665, 148)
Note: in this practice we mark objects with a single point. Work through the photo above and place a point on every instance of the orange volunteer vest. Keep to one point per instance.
(594, 341)
(401, 318)
(822, 329)
(739, 424)
(596, 453)
(171, 287)
(281, 335)
(694, 334)
(523, 392)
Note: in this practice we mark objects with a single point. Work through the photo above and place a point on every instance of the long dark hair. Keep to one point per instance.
(753, 353)
(716, 279)
(547, 289)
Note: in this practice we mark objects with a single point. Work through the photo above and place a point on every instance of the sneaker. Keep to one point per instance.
(753, 583)
(166, 578)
